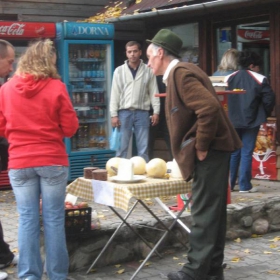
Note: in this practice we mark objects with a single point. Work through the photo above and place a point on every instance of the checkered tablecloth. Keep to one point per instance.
(148, 188)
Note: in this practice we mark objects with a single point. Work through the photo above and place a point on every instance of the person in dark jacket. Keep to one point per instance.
(202, 139)
(247, 112)
(161, 128)
(7, 56)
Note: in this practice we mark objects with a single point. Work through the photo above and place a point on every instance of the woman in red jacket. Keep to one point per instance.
(35, 115)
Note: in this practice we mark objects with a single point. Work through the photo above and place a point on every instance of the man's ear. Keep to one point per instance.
(160, 53)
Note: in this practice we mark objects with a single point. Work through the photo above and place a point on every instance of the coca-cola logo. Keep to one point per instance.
(15, 29)
(263, 177)
(40, 30)
(253, 34)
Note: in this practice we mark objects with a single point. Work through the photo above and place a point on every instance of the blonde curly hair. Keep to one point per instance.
(38, 61)
(229, 60)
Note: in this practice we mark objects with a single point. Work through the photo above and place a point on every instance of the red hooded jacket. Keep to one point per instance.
(35, 116)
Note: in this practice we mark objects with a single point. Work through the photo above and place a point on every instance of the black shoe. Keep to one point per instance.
(219, 275)
(178, 275)
(215, 277)
(13, 262)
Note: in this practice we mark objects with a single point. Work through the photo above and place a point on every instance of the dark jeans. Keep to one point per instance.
(241, 159)
(5, 254)
(208, 231)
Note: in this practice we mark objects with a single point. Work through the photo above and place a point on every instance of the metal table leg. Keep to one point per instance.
(133, 230)
(157, 199)
(160, 222)
(112, 237)
(176, 219)
(117, 230)
(166, 230)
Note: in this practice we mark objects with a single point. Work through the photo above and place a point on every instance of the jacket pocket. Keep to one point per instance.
(187, 142)
(186, 158)
(174, 110)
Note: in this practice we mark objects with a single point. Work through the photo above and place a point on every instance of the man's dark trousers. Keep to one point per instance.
(208, 231)
(6, 255)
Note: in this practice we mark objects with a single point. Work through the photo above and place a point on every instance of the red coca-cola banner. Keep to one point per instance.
(249, 35)
(24, 30)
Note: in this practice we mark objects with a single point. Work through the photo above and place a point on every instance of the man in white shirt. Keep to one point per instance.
(133, 92)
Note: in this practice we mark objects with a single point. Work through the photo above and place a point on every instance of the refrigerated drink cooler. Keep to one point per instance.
(85, 62)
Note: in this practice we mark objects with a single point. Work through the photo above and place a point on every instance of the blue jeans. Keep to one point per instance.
(242, 159)
(29, 184)
(139, 121)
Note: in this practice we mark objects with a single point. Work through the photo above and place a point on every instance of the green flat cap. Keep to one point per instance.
(168, 40)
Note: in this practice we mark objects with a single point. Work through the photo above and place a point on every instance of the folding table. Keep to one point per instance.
(116, 195)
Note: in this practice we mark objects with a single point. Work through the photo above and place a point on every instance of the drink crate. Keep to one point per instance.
(77, 220)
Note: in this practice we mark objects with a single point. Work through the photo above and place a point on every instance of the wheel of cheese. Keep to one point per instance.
(156, 168)
(139, 165)
(112, 166)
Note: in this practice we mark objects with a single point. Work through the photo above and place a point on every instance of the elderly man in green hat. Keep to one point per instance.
(202, 139)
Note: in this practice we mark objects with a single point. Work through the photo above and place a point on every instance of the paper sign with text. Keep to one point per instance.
(103, 192)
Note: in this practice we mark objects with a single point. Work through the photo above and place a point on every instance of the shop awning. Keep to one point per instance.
(141, 9)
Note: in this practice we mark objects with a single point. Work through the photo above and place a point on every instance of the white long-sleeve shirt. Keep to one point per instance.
(134, 93)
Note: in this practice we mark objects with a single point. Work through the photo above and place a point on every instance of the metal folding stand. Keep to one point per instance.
(166, 230)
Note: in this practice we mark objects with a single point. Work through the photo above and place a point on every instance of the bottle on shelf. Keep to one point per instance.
(75, 52)
(74, 101)
(85, 98)
(102, 137)
(89, 72)
(101, 97)
(93, 71)
(101, 112)
(85, 52)
(79, 72)
(102, 131)
(78, 98)
(74, 142)
(84, 70)
(96, 94)
(101, 69)
(92, 129)
(86, 138)
(102, 51)
(93, 97)
(91, 51)
(92, 135)
(80, 138)
(97, 51)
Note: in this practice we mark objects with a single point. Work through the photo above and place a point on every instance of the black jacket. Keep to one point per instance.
(251, 109)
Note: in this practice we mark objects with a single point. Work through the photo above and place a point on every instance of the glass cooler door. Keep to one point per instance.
(89, 80)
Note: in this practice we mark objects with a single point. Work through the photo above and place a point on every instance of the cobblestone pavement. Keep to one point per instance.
(252, 258)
